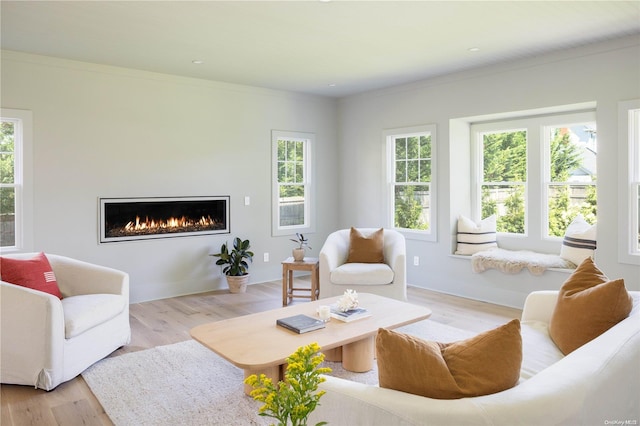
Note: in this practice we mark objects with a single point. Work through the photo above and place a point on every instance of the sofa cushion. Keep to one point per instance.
(538, 350)
(35, 273)
(84, 312)
(474, 237)
(588, 305)
(481, 365)
(367, 249)
(579, 241)
(362, 274)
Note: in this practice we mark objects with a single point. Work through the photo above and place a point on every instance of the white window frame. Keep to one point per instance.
(389, 136)
(308, 182)
(535, 235)
(629, 178)
(23, 183)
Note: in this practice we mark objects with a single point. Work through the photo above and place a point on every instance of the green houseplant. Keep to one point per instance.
(235, 264)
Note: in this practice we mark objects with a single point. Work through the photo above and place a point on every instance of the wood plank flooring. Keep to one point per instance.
(167, 321)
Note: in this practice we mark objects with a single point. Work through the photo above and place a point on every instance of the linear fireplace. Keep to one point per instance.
(129, 219)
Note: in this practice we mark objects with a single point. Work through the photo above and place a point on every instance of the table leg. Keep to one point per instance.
(315, 284)
(333, 355)
(358, 356)
(274, 373)
(290, 295)
(284, 285)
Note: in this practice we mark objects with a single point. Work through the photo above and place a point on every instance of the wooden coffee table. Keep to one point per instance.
(257, 345)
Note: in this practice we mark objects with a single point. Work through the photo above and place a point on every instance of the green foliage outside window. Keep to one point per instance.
(412, 166)
(505, 173)
(7, 176)
(567, 201)
(505, 167)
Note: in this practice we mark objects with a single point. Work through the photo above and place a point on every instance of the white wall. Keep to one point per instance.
(109, 132)
(605, 74)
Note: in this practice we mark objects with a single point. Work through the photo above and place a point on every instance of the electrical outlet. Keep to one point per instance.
(265, 257)
(247, 200)
(416, 260)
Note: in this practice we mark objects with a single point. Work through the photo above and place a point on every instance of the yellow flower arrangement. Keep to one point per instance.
(297, 396)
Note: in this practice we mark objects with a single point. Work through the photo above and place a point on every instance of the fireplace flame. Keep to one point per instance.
(170, 223)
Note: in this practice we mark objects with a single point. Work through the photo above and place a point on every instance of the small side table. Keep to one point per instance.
(307, 264)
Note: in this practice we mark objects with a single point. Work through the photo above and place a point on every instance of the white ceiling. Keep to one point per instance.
(334, 48)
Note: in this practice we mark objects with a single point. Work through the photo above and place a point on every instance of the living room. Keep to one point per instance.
(105, 131)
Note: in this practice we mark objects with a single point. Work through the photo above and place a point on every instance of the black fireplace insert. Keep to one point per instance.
(129, 219)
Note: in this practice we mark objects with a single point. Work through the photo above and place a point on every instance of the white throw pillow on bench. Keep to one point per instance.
(474, 237)
(579, 241)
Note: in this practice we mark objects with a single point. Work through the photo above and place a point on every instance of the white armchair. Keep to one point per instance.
(384, 279)
(46, 341)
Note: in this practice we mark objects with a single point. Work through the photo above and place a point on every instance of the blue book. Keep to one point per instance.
(301, 323)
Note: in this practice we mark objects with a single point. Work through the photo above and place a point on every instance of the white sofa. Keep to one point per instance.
(384, 279)
(46, 341)
(597, 384)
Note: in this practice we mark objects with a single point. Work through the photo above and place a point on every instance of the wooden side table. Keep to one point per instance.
(307, 264)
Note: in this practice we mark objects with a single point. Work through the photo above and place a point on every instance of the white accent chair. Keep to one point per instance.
(384, 279)
(46, 341)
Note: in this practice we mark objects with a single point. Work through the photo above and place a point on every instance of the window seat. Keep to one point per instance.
(513, 261)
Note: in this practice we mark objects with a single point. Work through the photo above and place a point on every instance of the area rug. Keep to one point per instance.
(187, 384)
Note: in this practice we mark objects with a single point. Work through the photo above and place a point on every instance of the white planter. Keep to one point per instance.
(298, 254)
(238, 283)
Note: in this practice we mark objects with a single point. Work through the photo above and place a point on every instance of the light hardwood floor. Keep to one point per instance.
(167, 321)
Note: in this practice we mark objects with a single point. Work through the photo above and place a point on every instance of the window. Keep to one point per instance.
(293, 195)
(535, 174)
(411, 185)
(629, 164)
(15, 180)
(503, 178)
(570, 175)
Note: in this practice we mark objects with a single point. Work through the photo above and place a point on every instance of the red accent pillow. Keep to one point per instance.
(35, 273)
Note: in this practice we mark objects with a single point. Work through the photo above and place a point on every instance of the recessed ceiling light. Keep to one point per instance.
(473, 49)
(331, 85)
(197, 62)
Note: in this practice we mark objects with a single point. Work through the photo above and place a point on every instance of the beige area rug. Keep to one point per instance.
(187, 384)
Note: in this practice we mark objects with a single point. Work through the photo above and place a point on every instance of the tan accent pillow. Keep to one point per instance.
(487, 363)
(366, 249)
(588, 305)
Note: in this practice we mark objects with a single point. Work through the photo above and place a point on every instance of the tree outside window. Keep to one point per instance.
(7, 184)
(504, 175)
(540, 169)
(571, 189)
(291, 182)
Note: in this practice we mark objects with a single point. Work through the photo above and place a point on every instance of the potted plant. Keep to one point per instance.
(235, 264)
(290, 401)
(299, 252)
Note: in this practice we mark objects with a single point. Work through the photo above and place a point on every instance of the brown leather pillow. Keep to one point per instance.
(588, 305)
(487, 363)
(366, 249)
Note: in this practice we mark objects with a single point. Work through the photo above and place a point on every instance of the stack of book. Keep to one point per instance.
(350, 315)
(300, 323)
